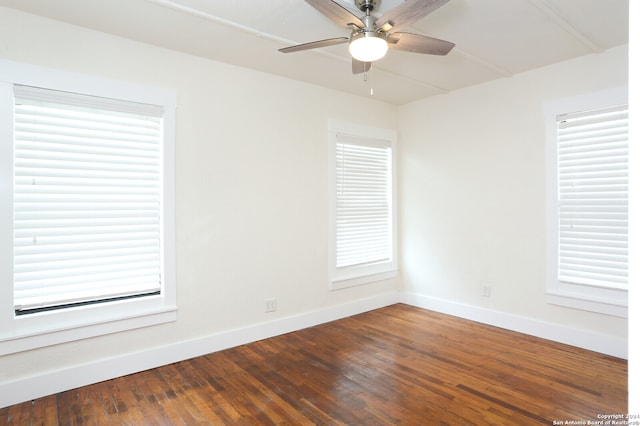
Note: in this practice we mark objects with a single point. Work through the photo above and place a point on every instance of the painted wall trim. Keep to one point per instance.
(581, 338)
(75, 376)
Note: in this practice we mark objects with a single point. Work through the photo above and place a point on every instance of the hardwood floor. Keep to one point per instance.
(396, 365)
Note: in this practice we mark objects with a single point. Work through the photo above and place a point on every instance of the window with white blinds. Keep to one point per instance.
(87, 199)
(592, 193)
(362, 241)
(363, 201)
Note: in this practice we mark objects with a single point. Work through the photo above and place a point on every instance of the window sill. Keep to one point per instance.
(363, 279)
(610, 307)
(35, 331)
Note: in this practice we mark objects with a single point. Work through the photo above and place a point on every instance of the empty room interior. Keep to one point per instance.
(221, 212)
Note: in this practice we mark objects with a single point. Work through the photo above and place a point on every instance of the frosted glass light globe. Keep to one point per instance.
(368, 47)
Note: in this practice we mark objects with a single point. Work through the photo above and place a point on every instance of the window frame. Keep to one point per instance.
(607, 301)
(350, 276)
(25, 332)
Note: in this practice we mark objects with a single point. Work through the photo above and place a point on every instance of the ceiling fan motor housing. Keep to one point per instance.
(369, 24)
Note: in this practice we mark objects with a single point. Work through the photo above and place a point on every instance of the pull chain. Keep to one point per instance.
(366, 79)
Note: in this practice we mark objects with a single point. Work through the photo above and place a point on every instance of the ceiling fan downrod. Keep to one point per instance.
(367, 6)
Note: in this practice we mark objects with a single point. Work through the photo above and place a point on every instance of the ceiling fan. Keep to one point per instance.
(371, 37)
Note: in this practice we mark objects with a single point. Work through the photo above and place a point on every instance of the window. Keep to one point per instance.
(363, 247)
(88, 176)
(588, 203)
(86, 188)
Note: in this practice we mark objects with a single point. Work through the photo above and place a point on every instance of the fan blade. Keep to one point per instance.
(314, 44)
(406, 14)
(359, 67)
(419, 44)
(336, 13)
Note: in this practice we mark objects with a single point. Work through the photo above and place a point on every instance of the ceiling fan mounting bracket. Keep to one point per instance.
(366, 5)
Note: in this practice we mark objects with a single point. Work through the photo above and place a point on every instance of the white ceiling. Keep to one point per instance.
(494, 38)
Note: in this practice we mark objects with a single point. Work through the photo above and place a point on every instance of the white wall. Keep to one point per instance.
(252, 215)
(472, 198)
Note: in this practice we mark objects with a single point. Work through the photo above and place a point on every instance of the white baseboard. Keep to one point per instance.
(30, 388)
(585, 339)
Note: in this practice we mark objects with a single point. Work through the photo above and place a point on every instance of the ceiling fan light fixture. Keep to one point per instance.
(368, 46)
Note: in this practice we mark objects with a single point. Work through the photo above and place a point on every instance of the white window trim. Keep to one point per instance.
(20, 333)
(612, 302)
(358, 275)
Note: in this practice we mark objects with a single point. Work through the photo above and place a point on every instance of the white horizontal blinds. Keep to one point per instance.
(363, 201)
(593, 190)
(87, 199)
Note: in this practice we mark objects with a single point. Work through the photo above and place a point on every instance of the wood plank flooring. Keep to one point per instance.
(396, 365)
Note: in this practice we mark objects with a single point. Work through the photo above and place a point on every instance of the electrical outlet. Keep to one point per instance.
(271, 304)
(486, 291)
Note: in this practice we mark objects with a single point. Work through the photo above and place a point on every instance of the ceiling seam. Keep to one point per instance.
(555, 16)
(209, 17)
(473, 58)
(430, 86)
